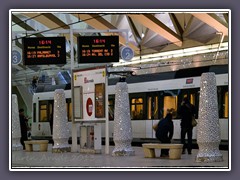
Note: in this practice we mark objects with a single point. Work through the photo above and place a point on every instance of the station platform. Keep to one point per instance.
(47, 160)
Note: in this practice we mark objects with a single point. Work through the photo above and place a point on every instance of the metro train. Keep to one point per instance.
(150, 97)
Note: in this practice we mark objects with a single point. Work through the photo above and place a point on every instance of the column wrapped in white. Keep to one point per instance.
(208, 128)
(61, 131)
(16, 130)
(122, 122)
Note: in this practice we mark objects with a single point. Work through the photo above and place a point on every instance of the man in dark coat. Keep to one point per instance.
(186, 111)
(164, 132)
(23, 127)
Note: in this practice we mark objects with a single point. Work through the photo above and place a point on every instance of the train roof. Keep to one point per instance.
(182, 73)
(50, 88)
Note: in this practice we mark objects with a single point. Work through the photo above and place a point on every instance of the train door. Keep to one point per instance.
(169, 101)
(45, 117)
(152, 105)
(137, 104)
(223, 101)
(192, 95)
(153, 113)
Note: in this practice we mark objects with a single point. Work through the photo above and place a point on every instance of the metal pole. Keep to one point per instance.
(74, 31)
(107, 118)
(219, 45)
(74, 125)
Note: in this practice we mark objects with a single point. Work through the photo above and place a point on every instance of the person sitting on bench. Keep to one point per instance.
(164, 132)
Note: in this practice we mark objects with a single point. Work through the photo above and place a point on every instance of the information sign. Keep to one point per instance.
(44, 50)
(98, 49)
(16, 57)
(90, 102)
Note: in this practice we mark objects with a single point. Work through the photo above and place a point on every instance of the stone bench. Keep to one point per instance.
(42, 143)
(175, 150)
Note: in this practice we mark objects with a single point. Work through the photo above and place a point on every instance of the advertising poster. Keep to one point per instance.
(89, 102)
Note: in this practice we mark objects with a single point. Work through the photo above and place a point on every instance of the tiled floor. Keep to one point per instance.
(69, 160)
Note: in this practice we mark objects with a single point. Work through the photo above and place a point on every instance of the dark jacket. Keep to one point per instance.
(164, 132)
(186, 112)
(23, 125)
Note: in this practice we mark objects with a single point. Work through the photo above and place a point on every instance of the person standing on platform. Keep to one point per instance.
(186, 111)
(34, 82)
(164, 132)
(23, 126)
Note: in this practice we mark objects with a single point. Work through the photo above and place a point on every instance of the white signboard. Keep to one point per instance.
(93, 102)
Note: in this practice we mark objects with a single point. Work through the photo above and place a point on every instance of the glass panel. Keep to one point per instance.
(77, 102)
(138, 112)
(43, 115)
(50, 108)
(170, 103)
(155, 114)
(225, 105)
(110, 102)
(100, 100)
(137, 108)
(111, 108)
(149, 112)
(43, 106)
(139, 100)
(70, 111)
(34, 112)
(133, 108)
(152, 112)
(192, 99)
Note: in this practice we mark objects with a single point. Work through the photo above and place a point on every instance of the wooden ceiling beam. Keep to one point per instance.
(98, 22)
(151, 22)
(214, 21)
(50, 21)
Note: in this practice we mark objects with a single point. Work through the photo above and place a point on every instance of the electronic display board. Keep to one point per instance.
(98, 49)
(44, 50)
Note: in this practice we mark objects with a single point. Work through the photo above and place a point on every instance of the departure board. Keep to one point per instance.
(98, 49)
(44, 50)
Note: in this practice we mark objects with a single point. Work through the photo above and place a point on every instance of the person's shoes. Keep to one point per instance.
(183, 151)
(189, 152)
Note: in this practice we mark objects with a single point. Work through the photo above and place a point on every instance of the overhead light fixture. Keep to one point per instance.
(176, 53)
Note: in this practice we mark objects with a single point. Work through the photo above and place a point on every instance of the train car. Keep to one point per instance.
(43, 104)
(150, 96)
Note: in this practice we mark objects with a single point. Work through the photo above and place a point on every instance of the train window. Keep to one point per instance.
(111, 107)
(192, 98)
(152, 111)
(223, 101)
(137, 108)
(69, 109)
(43, 111)
(51, 109)
(170, 103)
(192, 95)
(225, 113)
(34, 112)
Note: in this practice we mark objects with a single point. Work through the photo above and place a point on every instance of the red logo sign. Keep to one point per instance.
(89, 106)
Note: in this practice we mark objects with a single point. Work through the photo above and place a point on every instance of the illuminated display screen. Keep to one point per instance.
(189, 81)
(98, 49)
(44, 50)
